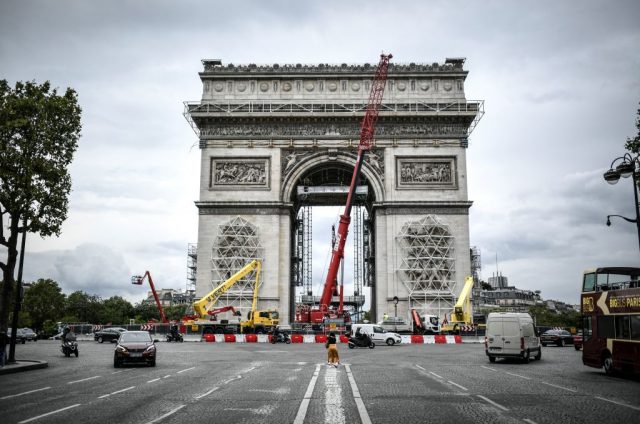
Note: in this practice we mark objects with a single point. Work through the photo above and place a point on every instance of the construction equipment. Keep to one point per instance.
(462, 312)
(138, 280)
(425, 324)
(367, 131)
(206, 315)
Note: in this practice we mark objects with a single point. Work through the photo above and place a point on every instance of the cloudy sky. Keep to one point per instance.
(560, 81)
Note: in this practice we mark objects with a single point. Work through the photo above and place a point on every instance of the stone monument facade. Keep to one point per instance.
(266, 130)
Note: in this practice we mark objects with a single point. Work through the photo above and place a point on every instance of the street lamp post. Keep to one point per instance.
(628, 167)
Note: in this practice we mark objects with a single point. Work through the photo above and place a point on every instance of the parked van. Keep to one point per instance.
(511, 335)
(378, 334)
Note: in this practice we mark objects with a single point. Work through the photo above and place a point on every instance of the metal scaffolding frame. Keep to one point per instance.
(302, 250)
(192, 266)
(428, 264)
(237, 243)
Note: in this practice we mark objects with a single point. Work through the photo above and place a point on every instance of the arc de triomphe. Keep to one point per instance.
(270, 134)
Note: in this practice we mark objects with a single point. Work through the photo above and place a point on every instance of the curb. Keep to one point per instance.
(23, 365)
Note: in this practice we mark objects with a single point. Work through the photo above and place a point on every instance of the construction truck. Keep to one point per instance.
(462, 313)
(205, 315)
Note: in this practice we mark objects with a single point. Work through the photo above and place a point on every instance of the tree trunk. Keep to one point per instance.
(8, 272)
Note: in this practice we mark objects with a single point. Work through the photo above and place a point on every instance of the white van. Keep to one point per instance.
(511, 335)
(378, 334)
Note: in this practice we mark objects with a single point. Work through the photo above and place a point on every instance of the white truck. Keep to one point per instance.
(511, 335)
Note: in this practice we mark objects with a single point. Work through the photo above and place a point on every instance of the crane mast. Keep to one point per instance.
(367, 131)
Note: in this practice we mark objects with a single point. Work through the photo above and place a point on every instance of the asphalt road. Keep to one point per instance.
(263, 383)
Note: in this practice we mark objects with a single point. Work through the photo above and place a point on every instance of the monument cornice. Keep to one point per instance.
(443, 207)
(239, 208)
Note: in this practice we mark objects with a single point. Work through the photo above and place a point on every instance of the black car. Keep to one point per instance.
(135, 347)
(111, 334)
(556, 337)
(29, 334)
(20, 337)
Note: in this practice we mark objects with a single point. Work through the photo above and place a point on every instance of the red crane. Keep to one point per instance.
(367, 131)
(138, 280)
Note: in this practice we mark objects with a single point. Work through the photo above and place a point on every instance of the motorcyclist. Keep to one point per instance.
(174, 333)
(277, 334)
(65, 333)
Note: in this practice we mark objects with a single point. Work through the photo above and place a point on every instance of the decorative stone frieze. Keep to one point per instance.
(234, 173)
(426, 172)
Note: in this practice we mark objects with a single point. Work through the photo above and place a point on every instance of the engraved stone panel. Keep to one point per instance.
(235, 173)
(426, 172)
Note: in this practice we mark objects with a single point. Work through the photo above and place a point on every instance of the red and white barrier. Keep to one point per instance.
(321, 338)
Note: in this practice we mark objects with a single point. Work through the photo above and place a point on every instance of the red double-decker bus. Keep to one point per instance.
(611, 319)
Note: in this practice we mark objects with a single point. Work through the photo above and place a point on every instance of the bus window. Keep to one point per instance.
(635, 327)
(605, 327)
(622, 327)
(586, 328)
(602, 281)
(589, 283)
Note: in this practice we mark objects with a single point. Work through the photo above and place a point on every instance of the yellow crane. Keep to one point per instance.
(462, 311)
(258, 321)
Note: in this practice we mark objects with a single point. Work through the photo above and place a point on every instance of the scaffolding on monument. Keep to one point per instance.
(476, 264)
(302, 266)
(428, 265)
(192, 266)
(237, 243)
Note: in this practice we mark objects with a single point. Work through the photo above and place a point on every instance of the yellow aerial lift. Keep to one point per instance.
(258, 321)
(462, 312)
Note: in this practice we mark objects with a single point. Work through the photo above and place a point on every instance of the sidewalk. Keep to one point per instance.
(22, 365)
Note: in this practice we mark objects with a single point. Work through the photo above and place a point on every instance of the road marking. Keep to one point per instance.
(188, 369)
(167, 376)
(25, 393)
(117, 372)
(302, 411)
(430, 372)
(618, 403)
(457, 385)
(162, 417)
(362, 410)
(333, 397)
(232, 379)
(50, 413)
(527, 420)
(119, 391)
(518, 375)
(208, 393)
(84, 379)
(154, 380)
(559, 387)
(487, 368)
(418, 366)
(497, 405)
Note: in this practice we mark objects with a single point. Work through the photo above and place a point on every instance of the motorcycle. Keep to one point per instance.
(174, 337)
(280, 338)
(69, 346)
(362, 341)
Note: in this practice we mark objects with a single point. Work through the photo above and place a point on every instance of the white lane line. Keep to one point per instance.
(518, 375)
(162, 417)
(559, 387)
(84, 379)
(188, 369)
(618, 403)
(208, 393)
(119, 391)
(167, 376)
(527, 420)
(302, 411)
(457, 385)
(232, 379)
(433, 373)
(418, 366)
(488, 368)
(333, 397)
(362, 410)
(50, 413)
(117, 372)
(25, 393)
(154, 380)
(497, 405)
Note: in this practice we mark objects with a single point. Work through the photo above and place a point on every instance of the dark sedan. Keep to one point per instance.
(556, 337)
(135, 347)
(111, 334)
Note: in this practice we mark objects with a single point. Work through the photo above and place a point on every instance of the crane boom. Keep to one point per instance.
(367, 131)
(137, 279)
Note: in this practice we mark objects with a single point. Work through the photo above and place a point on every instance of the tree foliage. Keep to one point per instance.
(39, 133)
(117, 311)
(43, 301)
(633, 144)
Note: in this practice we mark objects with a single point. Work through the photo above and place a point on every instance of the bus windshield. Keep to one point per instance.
(616, 278)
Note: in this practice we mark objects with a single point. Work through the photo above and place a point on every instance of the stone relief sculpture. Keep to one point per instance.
(426, 172)
(376, 161)
(239, 172)
(291, 158)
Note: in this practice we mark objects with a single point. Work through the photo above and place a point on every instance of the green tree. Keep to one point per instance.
(633, 144)
(117, 311)
(83, 306)
(39, 133)
(44, 301)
